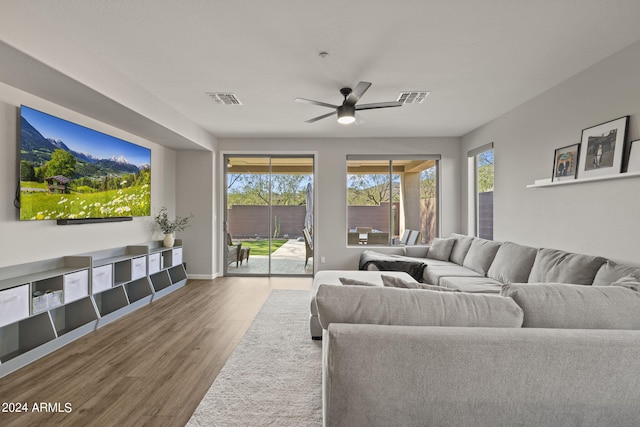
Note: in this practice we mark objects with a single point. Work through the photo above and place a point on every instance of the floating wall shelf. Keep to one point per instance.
(585, 180)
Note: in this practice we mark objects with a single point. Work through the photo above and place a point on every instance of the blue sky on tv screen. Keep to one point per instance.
(85, 140)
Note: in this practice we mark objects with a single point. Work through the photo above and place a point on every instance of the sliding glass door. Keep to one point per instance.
(269, 215)
(392, 200)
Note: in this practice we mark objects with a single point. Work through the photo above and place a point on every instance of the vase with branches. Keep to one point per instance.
(169, 227)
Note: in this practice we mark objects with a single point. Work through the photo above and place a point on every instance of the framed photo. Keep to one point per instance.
(601, 148)
(634, 156)
(565, 163)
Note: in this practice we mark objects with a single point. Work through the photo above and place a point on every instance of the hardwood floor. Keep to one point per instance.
(149, 368)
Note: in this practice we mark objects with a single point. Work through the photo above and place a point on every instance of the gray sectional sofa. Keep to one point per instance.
(472, 264)
(499, 334)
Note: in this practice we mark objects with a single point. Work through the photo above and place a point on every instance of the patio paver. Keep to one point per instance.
(287, 259)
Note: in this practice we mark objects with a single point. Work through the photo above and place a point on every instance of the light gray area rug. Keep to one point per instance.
(274, 376)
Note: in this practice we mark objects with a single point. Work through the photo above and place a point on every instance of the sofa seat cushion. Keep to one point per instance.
(433, 273)
(611, 272)
(555, 266)
(332, 277)
(512, 263)
(480, 285)
(559, 305)
(414, 307)
(431, 262)
(396, 282)
(481, 255)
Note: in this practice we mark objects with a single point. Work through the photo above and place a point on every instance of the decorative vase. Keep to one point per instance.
(169, 240)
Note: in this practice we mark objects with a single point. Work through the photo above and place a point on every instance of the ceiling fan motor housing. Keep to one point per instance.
(346, 113)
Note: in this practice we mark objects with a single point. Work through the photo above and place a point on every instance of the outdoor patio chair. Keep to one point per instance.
(308, 245)
(233, 251)
(244, 254)
(413, 237)
(353, 238)
(377, 238)
(405, 237)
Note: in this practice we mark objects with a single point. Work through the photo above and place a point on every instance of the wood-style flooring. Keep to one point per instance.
(150, 368)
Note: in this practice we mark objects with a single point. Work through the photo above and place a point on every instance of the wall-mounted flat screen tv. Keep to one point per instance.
(70, 172)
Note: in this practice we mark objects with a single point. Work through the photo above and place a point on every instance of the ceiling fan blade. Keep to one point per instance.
(359, 90)
(378, 105)
(324, 116)
(311, 101)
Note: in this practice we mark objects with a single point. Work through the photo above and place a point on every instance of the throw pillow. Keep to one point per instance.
(353, 282)
(440, 249)
(396, 282)
(414, 307)
(561, 305)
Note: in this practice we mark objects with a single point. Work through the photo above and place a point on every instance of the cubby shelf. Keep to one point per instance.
(76, 295)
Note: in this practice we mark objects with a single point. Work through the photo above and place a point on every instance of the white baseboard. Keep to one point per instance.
(204, 276)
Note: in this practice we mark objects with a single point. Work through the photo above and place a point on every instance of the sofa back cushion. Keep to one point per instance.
(611, 272)
(414, 307)
(460, 248)
(555, 266)
(481, 255)
(440, 249)
(512, 263)
(560, 305)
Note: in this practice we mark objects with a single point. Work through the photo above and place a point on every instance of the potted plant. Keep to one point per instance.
(169, 227)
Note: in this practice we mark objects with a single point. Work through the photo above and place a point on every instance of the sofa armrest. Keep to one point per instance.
(416, 251)
(378, 375)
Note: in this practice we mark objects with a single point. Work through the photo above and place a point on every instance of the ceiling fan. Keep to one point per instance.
(347, 111)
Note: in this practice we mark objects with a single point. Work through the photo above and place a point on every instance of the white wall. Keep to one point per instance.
(195, 194)
(599, 218)
(331, 183)
(26, 241)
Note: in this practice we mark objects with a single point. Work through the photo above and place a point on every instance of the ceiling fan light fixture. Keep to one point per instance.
(346, 114)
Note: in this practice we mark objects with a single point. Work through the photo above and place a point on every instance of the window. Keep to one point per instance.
(389, 197)
(481, 174)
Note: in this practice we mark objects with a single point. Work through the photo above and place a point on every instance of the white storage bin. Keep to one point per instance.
(102, 278)
(76, 285)
(176, 256)
(138, 267)
(47, 301)
(14, 304)
(154, 263)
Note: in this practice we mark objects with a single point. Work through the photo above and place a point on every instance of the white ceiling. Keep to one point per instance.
(479, 58)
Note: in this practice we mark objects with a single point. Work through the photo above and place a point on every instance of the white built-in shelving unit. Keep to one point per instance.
(45, 305)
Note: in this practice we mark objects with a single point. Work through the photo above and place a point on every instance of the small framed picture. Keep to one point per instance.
(633, 164)
(601, 148)
(565, 163)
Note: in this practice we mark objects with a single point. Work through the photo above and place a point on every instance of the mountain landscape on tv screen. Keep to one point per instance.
(57, 182)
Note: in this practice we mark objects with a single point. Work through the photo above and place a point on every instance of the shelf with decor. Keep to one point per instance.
(549, 183)
(47, 304)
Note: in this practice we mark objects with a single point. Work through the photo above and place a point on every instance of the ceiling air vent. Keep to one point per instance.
(412, 97)
(224, 98)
